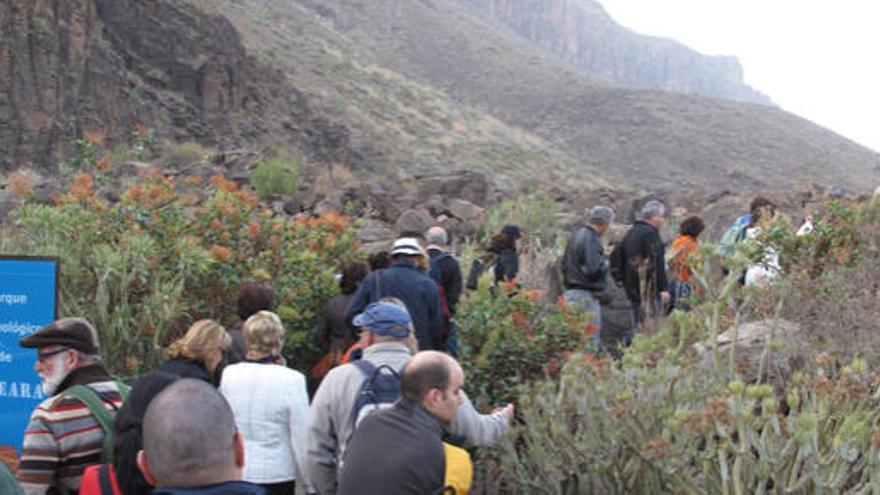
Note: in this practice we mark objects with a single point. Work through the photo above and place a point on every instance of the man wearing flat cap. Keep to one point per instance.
(63, 436)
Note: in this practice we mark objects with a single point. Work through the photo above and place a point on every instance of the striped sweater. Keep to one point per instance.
(63, 437)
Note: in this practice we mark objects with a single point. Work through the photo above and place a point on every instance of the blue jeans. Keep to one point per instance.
(679, 292)
(583, 300)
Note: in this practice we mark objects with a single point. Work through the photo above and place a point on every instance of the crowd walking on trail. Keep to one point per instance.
(225, 412)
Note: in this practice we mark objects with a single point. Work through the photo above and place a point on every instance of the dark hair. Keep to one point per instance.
(501, 241)
(253, 298)
(127, 431)
(379, 261)
(758, 207)
(416, 381)
(692, 226)
(353, 273)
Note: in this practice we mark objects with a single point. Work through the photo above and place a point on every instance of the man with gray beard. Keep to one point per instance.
(63, 436)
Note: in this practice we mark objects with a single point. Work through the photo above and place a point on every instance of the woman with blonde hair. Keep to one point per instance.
(199, 353)
(271, 408)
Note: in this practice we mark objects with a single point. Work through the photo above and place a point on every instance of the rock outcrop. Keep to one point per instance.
(97, 68)
(582, 34)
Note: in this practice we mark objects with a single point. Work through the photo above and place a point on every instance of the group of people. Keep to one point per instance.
(226, 414)
(655, 278)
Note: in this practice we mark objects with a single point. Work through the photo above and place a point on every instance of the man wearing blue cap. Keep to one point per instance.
(385, 329)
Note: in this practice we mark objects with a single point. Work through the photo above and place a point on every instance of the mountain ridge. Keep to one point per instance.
(583, 34)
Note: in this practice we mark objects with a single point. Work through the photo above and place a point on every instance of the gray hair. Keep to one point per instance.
(437, 235)
(652, 209)
(601, 215)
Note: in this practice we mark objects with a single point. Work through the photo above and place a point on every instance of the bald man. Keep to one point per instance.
(191, 445)
(408, 435)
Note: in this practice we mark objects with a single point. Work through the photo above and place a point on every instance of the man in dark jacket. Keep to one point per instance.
(644, 265)
(447, 273)
(584, 270)
(400, 450)
(409, 283)
(191, 445)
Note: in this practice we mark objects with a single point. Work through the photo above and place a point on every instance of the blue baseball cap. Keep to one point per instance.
(382, 318)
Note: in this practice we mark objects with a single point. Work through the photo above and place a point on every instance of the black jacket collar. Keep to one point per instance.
(85, 375)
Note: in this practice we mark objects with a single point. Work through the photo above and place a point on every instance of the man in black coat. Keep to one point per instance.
(445, 269)
(642, 260)
(405, 280)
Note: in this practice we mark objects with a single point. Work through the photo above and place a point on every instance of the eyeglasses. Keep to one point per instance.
(43, 356)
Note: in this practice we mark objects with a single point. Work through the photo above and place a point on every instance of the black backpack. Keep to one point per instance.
(379, 390)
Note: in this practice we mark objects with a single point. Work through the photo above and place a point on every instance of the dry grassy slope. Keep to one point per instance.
(399, 127)
(651, 139)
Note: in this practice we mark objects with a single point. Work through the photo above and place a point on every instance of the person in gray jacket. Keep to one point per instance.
(330, 418)
(585, 273)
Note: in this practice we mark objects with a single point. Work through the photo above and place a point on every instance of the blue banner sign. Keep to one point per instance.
(28, 302)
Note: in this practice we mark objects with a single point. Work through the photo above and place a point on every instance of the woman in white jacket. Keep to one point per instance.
(766, 268)
(271, 408)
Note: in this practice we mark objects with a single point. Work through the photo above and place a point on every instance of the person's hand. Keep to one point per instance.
(507, 410)
(665, 296)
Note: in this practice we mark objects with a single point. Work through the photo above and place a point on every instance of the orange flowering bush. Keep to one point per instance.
(20, 185)
(165, 255)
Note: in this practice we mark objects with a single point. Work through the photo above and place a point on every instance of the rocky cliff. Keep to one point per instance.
(582, 34)
(99, 67)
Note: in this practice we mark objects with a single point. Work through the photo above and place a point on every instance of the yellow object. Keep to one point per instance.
(459, 470)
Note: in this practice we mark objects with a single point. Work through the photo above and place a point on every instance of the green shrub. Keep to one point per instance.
(534, 213)
(512, 339)
(176, 154)
(145, 268)
(276, 176)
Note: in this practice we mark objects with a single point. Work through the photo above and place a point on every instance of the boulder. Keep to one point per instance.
(749, 343)
(330, 203)
(466, 211)
(469, 185)
(375, 231)
(414, 221)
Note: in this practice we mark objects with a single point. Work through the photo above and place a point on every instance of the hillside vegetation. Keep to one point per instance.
(649, 139)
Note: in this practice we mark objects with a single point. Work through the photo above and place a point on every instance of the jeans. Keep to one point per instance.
(679, 292)
(583, 300)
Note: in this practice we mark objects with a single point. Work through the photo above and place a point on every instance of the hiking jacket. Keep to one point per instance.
(449, 277)
(271, 408)
(584, 262)
(418, 292)
(507, 265)
(396, 451)
(682, 252)
(228, 488)
(62, 437)
(643, 250)
(185, 368)
(331, 424)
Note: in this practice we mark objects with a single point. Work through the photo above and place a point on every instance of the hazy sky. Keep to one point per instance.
(817, 59)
